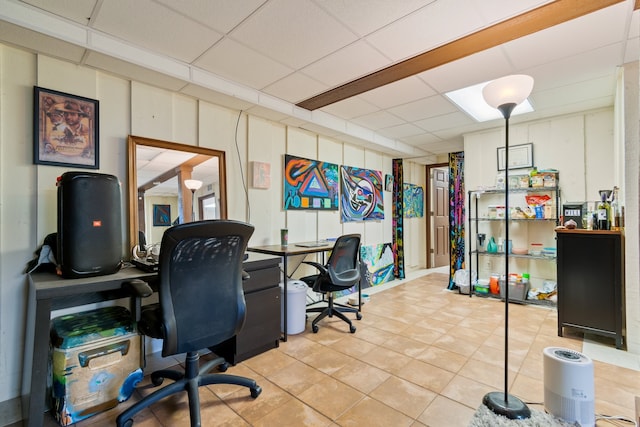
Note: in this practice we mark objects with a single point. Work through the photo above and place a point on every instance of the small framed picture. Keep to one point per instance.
(65, 129)
(161, 215)
(520, 156)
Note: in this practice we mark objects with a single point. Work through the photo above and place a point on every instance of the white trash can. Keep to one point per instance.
(296, 306)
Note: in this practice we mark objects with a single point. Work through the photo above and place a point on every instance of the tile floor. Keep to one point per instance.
(421, 356)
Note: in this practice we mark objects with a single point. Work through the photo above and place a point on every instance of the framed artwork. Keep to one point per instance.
(520, 156)
(161, 215)
(388, 182)
(65, 129)
(361, 194)
(310, 184)
(261, 175)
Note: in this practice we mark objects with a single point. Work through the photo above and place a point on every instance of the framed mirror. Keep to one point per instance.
(172, 183)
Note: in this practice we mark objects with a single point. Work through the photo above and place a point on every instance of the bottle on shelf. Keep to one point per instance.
(616, 211)
(603, 212)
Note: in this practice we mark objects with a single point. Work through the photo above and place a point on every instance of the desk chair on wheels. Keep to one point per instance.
(341, 272)
(201, 304)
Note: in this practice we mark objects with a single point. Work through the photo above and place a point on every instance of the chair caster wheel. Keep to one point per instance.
(156, 381)
(255, 391)
(127, 423)
(359, 316)
(223, 367)
(314, 328)
(352, 329)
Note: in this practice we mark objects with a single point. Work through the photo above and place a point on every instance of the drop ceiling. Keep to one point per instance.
(266, 56)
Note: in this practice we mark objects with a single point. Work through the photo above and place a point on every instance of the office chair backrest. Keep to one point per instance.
(200, 291)
(343, 261)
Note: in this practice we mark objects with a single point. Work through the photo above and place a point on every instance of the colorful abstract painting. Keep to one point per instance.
(456, 214)
(361, 194)
(379, 262)
(413, 199)
(310, 184)
(376, 267)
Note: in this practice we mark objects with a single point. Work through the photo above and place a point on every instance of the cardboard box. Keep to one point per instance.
(95, 362)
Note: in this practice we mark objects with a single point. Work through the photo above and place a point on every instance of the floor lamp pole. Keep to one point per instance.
(504, 94)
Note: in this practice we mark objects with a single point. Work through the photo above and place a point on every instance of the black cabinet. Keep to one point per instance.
(261, 330)
(591, 282)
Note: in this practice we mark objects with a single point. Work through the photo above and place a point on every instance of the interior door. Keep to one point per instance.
(440, 216)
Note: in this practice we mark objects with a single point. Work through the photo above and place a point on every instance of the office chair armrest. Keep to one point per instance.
(245, 276)
(320, 267)
(137, 289)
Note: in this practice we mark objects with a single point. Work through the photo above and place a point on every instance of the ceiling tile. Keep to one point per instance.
(400, 131)
(378, 120)
(397, 93)
(436, 24)
(588, 32)
(221, 15)
(366, 16)
(350, 108)
(293, 32)
(153, 26)
(445, 121)
(236, 62)
(346, 64)
(295, 87)
(76, 10)
(486, 65)
(423, 108)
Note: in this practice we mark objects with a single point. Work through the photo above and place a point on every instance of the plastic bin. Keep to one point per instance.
(517, 291)
(296, 306)
(96, 362)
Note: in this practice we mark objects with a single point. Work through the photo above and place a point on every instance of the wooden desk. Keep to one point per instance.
(48, 292)
(285, 252)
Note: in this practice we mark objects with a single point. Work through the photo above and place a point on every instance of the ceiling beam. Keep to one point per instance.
(522, 25)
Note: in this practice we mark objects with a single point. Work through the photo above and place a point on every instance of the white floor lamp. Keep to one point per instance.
(193, 185)
(505, 94)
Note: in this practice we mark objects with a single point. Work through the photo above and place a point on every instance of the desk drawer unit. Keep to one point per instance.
(261, 330)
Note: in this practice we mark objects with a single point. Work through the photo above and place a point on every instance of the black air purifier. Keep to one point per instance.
(89, 224)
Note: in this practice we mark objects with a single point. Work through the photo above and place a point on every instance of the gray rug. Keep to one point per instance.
(485, 418)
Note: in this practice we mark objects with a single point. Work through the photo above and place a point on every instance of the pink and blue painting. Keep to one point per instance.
(310, 184)
(413, 196)
(361, 198)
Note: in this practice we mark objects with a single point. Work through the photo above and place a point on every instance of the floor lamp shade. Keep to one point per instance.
(505, 94)
(508, 90)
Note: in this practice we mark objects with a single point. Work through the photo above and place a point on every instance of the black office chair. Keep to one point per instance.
(341, 272)
(201, 304)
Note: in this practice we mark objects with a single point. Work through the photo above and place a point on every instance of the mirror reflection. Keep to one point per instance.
(171, 183)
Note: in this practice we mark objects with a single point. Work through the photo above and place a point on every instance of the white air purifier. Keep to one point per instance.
(568, 386)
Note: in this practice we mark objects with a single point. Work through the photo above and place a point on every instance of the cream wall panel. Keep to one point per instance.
(217, 129)
(266, 143)
(185, 119)
(599, 169)
(414, 228)
(115, 124)
(631, 202)
(18, 237)
(561, 145)
(374, 230)
(151, 112)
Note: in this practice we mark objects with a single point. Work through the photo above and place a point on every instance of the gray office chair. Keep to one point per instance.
(201, 304)
(341, 272)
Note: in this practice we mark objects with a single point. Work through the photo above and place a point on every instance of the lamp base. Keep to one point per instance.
(512, 408)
